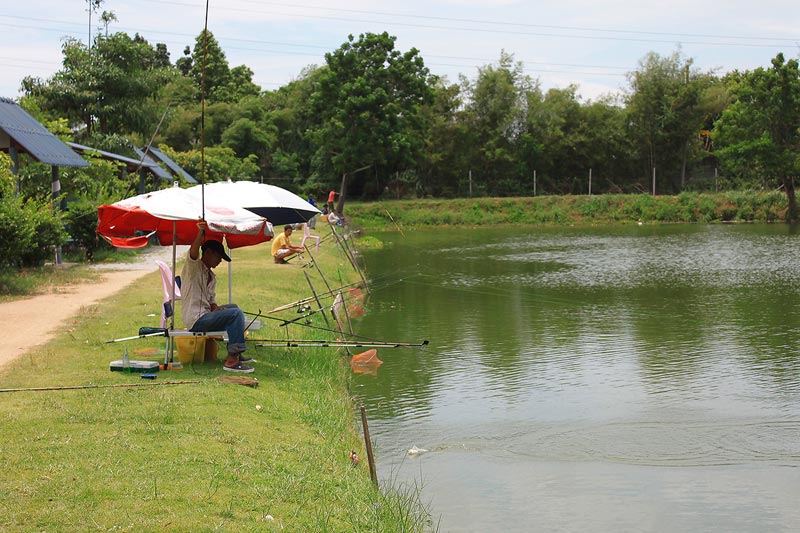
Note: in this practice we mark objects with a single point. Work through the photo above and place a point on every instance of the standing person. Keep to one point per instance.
(312, 222)
(200, 311)
(282, 249)
(331, 200)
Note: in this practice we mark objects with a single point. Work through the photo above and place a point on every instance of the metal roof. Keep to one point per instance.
(152, 165)
(132, 164)
(172, 165)
(19, 128)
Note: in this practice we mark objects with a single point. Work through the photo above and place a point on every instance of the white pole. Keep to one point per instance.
(534, 182)
(590, 181)
(230, 279)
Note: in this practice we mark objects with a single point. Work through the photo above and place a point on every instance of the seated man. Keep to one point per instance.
(282, 249)
(336, 218)
(200, 311)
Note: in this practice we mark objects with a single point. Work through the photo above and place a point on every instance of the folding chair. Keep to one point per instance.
(307, 235)
(167, 282)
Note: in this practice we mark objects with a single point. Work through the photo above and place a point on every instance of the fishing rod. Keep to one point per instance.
(143, 334)
(335, 331)
(115, 385)
(305, 315)
(313, 343)
(309, 299)
(376, 283)
(254, 319)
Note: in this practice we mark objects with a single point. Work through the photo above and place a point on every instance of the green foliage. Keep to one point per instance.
(737, 206)
(666, 115)
(81, 219)
(759, 133)
(29, 231)
(220, 164)
(374, 117)
(111, 86)
(368, 103)
(210, 70)
(245, 138)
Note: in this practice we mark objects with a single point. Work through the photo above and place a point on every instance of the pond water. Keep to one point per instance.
(633, 378)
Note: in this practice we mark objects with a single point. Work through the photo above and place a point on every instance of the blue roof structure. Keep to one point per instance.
(172, 165)
(20, 130)
(152, 164)
(131, 164)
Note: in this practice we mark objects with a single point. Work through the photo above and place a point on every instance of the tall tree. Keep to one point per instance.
(663, 105)
(368, 101)
(496, 111)
(758, 135)
(290, 112)
(444, 162)
(209, 68)
(107, 17)
(111, 87)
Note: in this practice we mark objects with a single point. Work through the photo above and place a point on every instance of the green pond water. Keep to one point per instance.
(632, 378)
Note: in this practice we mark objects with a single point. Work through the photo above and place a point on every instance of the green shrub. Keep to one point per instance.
(29, 231)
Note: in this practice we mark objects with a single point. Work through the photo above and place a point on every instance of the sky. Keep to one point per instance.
(592, 44)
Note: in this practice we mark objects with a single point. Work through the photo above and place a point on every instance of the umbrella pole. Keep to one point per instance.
(230, 277)
(168, 352)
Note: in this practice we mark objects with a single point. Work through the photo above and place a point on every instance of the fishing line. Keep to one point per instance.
(497, 292)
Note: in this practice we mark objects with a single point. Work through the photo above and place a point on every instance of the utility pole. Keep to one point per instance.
(534, 182)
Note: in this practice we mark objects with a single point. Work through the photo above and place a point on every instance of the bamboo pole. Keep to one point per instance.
(373, 474)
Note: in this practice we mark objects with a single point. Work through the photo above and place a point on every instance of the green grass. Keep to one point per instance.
(733, 206)
(198, 456)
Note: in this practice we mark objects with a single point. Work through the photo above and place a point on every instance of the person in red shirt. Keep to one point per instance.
(331, 199)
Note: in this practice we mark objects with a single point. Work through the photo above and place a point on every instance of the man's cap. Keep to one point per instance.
(216, 246)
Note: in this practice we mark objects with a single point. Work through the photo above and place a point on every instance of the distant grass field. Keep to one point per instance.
(736, 206)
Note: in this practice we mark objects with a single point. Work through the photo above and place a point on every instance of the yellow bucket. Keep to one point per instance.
(191, 349)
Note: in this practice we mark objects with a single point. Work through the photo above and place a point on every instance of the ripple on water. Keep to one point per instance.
(664, 444)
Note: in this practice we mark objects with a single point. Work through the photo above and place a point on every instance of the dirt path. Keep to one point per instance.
(35, 320)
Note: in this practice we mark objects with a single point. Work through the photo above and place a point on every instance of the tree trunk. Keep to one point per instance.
(342, 193)
(788, 186)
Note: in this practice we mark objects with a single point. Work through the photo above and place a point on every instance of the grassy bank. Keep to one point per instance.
(198, 456)
(737, 206)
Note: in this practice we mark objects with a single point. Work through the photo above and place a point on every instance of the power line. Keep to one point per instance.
(510, 32)
(287, 52)
(521, 24)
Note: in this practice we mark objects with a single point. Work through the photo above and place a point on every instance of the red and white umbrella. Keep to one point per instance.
(172, 215)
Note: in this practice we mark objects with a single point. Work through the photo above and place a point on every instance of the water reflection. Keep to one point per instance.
(568, 368)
